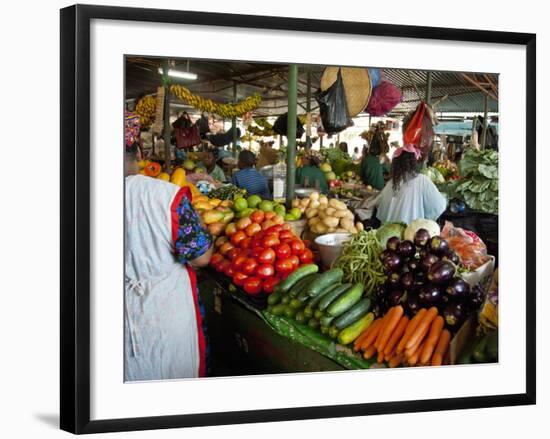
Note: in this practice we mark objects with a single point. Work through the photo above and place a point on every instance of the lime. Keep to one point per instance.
(240, 204)
(279, 209)
(290, 217)
(296, 212)
(244, 213)
(253, 201)
(266, 206)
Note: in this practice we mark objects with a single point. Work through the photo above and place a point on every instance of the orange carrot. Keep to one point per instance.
(382, 326)
(396, 336)
(431, 342)
(395, 361)
(380, 357)
(441, 348)
(369, 339)
(369, 353)
(361, 338)
(410, 329)
(413, 359)
(422, 327)
(421, 338)
(392, 323)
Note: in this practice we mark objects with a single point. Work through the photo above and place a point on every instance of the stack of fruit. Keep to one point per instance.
(244, 207)
(329, 174)
(214, 212)
(259, 251)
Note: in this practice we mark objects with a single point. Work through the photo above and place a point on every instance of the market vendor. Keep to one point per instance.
(310, 175)
(163, 326)
(371, 170)
(409, 195)
(248, 177)
(209, 161)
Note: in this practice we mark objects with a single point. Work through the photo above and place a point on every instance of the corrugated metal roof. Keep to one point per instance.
(216, 78)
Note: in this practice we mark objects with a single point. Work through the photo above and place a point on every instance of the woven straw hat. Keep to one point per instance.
(356, 83)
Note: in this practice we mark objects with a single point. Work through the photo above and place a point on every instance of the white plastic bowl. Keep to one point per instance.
(330, 246)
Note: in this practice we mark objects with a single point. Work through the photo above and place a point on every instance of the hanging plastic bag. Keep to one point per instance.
(418, 129)
(384, 98)
(281, 126)
(375, 76)
(333, 107)
(467, 245)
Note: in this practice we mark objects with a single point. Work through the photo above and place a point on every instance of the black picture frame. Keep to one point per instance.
(75, 217)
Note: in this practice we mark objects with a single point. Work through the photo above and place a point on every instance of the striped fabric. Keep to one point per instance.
(251, 180)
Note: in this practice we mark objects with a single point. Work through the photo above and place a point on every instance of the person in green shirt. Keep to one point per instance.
(371, 170)
(309, 174)
(212, 168)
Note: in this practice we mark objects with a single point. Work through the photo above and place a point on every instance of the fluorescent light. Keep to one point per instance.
(180, 74)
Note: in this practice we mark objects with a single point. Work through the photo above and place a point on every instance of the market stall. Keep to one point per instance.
(304, 280)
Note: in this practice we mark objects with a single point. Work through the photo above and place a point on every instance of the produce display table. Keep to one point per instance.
(245, 340)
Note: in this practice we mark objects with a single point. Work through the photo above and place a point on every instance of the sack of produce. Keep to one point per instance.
(469, 247)
(333, 107)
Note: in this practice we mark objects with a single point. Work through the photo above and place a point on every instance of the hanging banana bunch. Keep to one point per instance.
(146, 108)
(224, 110)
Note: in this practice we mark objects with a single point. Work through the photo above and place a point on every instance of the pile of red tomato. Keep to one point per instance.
(257, 257)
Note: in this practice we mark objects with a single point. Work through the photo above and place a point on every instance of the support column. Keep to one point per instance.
(234, 121)
(166, 136)
(428, 88)
(483, 140)
(291, 134)
(308, 108)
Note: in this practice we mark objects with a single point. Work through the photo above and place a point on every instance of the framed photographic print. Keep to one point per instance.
(268, 218)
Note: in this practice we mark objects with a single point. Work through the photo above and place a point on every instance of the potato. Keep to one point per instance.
(349, 215)
(321, 213)
(314, 196)
(340, 230)
(330, 211)
(359, 226)
(340, 214)
(310, 213)
(331, 222)
(304, 202)
(314, 204)
(323, 199)
(331, 230)
(333, 202)
(296, 202)
(313, 221)
(319, 228)
(347, 224)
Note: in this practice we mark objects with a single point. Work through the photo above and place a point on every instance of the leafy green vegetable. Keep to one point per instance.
(478, 185)
(389, 230)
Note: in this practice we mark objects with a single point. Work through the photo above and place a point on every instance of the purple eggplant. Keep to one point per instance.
(407, 280)
(395, 297)
(421, 238)
(476, 297)
(392, 262)
(438, 245)
(412, 304)
(406, 249)
(392, 243)
(394, 279)
(384, 254)
(423, 252)
(458, 289)
(454, 314)
(413, 264)
(427, 261)
(453, 257)
(420, 279)
(431, 294)
(441, 272)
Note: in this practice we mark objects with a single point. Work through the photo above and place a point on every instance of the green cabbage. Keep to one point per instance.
(389, 230)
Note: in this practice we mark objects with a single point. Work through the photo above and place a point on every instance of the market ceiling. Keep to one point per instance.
(451, 91)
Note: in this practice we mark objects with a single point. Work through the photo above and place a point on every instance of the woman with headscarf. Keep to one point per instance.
(409, 195)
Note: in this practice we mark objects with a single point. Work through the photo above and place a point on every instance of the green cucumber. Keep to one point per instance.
(346, 300)
(289, 312)
(279, 309)
(353, 314)
(313, 323)
(324, 280)
(318, 314)
(351, 332)
(326, 320)
(300, 317)
(301, 284)
(333, 332)
(295, 304)
(492, 346)
(479, 354)
(295, 276)
(274, 298)
(314, 301)
(332, 295)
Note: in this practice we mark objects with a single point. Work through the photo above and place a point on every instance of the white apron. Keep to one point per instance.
(163, 336)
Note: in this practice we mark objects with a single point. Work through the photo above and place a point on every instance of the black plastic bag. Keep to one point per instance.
(222, 139)
(333, 107)
(281, 126)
